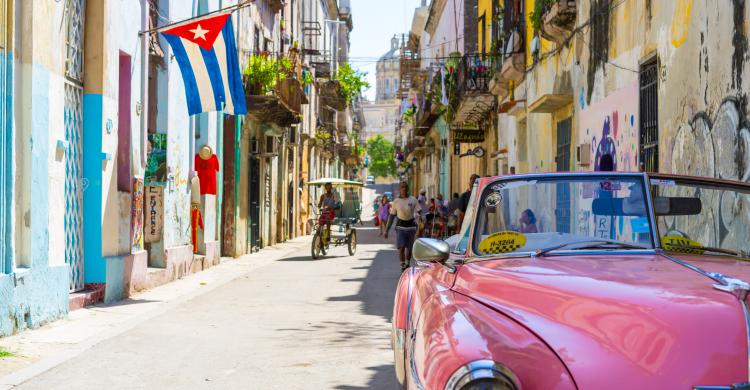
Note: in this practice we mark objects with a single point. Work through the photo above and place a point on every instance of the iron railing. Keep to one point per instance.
(649, 118)
(474, 74)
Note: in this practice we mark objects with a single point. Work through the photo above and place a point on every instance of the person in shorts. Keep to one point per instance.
(405, 210)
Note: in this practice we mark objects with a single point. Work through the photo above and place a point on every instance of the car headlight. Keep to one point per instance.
(483, 375)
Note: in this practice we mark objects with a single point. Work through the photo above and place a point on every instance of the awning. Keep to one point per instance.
(335, 182)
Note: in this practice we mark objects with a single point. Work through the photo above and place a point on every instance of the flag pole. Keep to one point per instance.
(230, 8)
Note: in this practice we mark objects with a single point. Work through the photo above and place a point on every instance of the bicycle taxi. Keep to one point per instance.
(333, 222)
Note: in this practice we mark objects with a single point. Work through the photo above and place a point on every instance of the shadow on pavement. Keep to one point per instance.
(383, 377)
(379, 285)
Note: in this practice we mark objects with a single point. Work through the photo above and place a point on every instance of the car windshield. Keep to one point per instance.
(569, 213)
(701, 217)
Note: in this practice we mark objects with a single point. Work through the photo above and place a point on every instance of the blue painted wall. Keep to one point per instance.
(30, 297)
(6, 166)
(95, 267)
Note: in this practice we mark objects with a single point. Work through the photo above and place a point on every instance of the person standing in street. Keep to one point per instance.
(453, 206)
(464, 200)
(404, 210)
(384, 212)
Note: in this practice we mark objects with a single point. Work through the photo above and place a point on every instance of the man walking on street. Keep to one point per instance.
(405, 210)
(464, 200)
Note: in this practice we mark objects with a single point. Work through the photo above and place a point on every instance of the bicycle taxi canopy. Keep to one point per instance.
(350, 207)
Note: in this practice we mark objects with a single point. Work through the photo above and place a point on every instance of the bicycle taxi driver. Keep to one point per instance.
(328, 204)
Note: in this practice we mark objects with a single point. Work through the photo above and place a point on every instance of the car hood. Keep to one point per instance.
(623, 321)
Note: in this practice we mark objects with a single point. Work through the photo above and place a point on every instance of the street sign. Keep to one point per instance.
(469, 136)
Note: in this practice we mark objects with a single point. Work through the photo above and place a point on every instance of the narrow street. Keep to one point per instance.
(293, 324)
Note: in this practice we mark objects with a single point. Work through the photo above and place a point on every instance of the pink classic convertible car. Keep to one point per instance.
(582, 281)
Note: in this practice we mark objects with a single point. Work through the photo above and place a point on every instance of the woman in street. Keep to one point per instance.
(404, 210)
(384, 211)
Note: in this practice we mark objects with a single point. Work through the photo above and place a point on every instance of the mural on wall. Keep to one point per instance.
(718, 146)
(156, 167)
(610, 126)
(136, 219)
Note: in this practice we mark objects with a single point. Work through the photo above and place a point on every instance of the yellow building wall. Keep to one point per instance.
(484, 13)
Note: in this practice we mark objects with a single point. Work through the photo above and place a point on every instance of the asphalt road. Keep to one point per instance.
(293, 324)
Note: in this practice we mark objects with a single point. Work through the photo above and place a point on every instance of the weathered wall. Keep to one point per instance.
(702, 51)
(36, 290)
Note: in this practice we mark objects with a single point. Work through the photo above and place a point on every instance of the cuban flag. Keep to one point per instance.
(207, 56)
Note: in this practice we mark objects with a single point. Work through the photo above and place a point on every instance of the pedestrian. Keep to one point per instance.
(423, 201)
(405, 210)
(464, 200)
(384, 211)
(453, 206)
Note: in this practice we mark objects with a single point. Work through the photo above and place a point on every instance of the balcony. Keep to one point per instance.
(275, 5)
(474, 97)
(282, 107)
(514, 58)
(331, 95)
(558, 21)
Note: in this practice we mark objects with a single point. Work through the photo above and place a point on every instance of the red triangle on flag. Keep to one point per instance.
(202, 32)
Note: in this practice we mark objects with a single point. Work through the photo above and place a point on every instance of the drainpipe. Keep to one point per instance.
(144, 82)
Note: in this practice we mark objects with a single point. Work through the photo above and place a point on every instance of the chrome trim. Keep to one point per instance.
(481, 369)
(399, 357)
(655, 239)
(565, 252)
(412, 364)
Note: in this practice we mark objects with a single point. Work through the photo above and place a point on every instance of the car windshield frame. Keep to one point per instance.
(641, 179)
(707, 183)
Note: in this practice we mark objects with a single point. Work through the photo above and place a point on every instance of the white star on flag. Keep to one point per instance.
(199, 32)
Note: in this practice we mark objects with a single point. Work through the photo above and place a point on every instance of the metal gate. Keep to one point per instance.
(73, 119)
(649, 117)
(562, 205)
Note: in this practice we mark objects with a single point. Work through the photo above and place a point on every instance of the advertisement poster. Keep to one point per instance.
(156, 167)
(154, 213)
(136, 220)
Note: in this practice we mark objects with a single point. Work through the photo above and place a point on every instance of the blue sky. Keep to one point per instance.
(375, 22)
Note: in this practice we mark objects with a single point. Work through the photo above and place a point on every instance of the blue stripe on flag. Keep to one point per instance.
(188, 77)
(233, 70)
(214, 74)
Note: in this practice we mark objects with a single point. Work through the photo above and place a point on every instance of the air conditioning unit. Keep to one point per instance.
(270, 146)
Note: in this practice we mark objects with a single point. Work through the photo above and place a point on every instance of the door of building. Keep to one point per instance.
(73, 122)
(562, 205)
(253, 200)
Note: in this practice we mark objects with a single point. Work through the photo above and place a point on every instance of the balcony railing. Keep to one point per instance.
(474, 74)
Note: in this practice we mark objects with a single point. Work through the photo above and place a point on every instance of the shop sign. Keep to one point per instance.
(467, 135)
(154, 213)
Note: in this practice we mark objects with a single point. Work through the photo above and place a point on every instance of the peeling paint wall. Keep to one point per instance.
(36, 289)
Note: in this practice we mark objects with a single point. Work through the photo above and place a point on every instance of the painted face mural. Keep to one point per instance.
(605, 158)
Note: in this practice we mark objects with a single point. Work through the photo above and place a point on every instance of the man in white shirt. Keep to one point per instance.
(405, 210)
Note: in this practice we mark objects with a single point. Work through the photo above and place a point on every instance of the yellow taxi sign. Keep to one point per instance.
(681, 245)
(502, 242)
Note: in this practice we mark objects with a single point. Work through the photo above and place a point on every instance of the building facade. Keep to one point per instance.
(105, 189)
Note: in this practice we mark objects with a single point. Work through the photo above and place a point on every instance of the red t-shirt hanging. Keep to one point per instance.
(207, 173)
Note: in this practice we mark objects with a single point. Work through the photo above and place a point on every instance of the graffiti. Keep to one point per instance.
(136, 220)
(681, 22)
(715, 148)
(611, 130)
(154, 213)
(156, 167)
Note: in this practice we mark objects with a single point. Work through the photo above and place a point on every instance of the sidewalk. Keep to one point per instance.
(38, 350)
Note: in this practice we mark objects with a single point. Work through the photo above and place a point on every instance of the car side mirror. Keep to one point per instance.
(431, 250)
